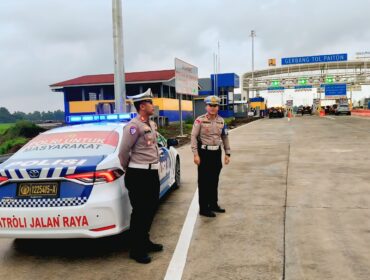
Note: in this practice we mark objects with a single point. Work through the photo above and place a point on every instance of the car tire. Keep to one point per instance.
(349, 113)
(176, 185)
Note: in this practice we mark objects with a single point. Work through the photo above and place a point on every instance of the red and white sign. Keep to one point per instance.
(43, 222)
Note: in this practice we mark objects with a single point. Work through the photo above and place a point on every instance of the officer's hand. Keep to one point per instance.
(196, 160)
(227, 160)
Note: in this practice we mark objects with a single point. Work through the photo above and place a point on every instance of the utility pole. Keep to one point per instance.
(119, 71)
(214, 73)
(253, 34)
(218, 63)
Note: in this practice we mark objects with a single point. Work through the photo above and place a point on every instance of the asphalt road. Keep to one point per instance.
(297, 196)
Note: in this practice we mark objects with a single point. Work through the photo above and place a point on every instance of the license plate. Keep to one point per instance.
(38, 190)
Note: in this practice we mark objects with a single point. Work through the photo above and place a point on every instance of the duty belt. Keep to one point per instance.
(154, 166)
(210, 148)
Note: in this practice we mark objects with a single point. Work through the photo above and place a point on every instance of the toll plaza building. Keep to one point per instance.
(94, 94)
(222, 85)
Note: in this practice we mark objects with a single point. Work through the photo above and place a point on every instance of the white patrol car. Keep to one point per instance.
(68, 183)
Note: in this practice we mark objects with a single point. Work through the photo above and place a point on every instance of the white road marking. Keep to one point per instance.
(329, 117)
(178, 261)
(177, 264)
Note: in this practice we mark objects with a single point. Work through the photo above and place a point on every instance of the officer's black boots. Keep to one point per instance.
(141, 258)
(207, 213)
(153, 247)
(218, 209)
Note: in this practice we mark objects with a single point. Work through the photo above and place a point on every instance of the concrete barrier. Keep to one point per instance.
(362, 113)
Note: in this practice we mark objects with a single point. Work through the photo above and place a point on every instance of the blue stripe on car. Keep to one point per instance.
(50, 173)
(19, 174)
(8, 174)
(64, 171)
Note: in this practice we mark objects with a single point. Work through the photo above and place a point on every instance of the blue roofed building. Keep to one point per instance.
(223, 85)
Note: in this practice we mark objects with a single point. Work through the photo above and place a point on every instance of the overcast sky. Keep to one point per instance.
(47, 41)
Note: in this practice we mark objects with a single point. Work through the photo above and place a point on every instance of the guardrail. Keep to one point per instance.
(5, 157)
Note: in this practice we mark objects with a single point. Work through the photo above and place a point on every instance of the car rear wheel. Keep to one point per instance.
(176, 185)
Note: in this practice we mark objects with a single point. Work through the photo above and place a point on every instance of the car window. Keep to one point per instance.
(67, 144)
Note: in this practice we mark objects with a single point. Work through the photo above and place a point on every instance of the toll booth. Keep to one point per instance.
(258, 106)
(94, 94)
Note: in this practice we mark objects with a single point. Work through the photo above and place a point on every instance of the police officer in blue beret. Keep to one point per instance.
(209, 134)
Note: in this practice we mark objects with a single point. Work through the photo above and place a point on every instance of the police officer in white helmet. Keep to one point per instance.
(139, 157)
(209, 134)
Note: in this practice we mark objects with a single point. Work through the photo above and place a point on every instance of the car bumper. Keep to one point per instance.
(106, 212)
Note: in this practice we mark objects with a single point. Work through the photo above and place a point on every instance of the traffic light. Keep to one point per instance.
(302, 81)
(275, 83)
(329, 80)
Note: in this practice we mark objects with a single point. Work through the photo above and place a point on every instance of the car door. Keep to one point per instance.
(165, 164)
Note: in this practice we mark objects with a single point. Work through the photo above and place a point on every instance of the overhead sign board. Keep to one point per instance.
(275, 88)
(303, 87)
(314, 59)
(335, 90)
(186, 78)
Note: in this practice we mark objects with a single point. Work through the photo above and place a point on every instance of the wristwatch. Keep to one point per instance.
(228, 155)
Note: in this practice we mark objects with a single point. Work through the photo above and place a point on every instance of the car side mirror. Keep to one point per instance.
(172, 142)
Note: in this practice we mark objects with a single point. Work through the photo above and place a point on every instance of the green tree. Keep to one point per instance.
(5, 116)
(17, 115)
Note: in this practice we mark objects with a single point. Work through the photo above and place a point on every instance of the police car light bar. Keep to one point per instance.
(77, 119)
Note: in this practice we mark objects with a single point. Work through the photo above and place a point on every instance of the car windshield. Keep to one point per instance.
(67, 144)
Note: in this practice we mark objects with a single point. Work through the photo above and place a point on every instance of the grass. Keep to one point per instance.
(8, 145)
(14, 136)
(5, 126)
(173, 130)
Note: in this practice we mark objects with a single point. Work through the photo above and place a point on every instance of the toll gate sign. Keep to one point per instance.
(314, 59)
(335, 90)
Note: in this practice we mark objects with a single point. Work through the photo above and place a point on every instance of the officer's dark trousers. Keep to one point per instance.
(208, 175)
(143, 189)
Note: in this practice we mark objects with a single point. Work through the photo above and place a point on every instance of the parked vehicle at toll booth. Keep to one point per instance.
(299, 110)
(68, 183)
(342, 109)
(306, 110)
(276, 113)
